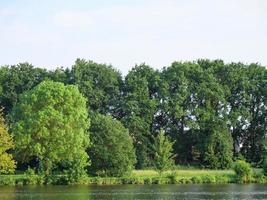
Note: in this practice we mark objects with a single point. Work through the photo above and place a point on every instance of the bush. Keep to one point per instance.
(243, 171)
(29, 171)
(265, 167)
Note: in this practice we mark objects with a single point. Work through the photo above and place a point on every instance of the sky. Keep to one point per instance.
(54, 33)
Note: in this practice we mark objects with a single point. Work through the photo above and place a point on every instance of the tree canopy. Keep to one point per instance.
(214, 112)
(49, 124)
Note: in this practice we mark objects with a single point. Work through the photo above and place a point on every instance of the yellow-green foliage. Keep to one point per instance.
(243, 171)
(7, 164)
(183, 173)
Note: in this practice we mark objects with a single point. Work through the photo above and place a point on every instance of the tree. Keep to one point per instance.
(112, 151)
(219, 148)
(233, 77)
(49, 124)
(7, 164)
(164, 157)
(255, 135)
(138, 109)
(99, 83)
(16, 79)
(176, 111)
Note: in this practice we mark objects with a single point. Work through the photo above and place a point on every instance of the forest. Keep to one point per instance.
(90, 119)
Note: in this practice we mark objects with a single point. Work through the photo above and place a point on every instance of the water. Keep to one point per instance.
(128, 192)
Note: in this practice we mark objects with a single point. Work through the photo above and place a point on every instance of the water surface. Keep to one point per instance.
(128, 192)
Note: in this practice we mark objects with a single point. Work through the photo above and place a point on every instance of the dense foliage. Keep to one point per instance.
(214, 112)
(112, 152)
(7, 164)
(49, 125)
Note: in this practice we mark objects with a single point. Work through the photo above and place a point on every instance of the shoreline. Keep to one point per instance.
(138, 177)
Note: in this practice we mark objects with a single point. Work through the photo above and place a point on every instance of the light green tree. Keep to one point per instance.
(49, 123)
(7, 164)
(164, 158)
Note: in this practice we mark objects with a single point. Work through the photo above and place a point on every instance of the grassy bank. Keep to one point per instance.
(195, 176)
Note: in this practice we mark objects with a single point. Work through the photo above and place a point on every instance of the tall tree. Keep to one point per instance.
(233, 77)
(99, 83)
(16, 79)
(139, 108)
(176, 113)
(49, 123)
(253, 146)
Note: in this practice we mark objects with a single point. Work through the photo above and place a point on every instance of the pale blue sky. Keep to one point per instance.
(52, 33)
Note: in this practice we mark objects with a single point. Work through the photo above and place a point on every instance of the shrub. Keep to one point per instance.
(196, 179)
(243, 171)
(265, 167)
(29, 171)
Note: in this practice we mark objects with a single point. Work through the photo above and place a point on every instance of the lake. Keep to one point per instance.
(128, 192)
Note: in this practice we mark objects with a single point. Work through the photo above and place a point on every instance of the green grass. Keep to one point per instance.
(183, 173)
(178, 176)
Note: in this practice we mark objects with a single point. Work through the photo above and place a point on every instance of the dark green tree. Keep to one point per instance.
(253, 147)
(139, 108)
(233, 77)
(99, 83)
(16, 79)
(175, 113)
(219, 148)
(112, 151)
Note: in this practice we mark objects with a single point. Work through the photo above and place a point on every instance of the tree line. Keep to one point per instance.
(90, 116)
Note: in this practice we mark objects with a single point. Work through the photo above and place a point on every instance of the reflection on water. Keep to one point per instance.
(230, 191)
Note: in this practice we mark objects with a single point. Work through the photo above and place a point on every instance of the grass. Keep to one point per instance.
(183, 173)
(178, 176)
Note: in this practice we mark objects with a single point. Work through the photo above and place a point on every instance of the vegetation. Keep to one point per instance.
(7, 164)
(164, 158)
(49, 125)
(178, 176)
(212, 112)
(112, 151)
(243, 171)
(219, 149)
(265, 167)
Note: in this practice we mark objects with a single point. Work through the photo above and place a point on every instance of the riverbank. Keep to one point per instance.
(195, 176)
